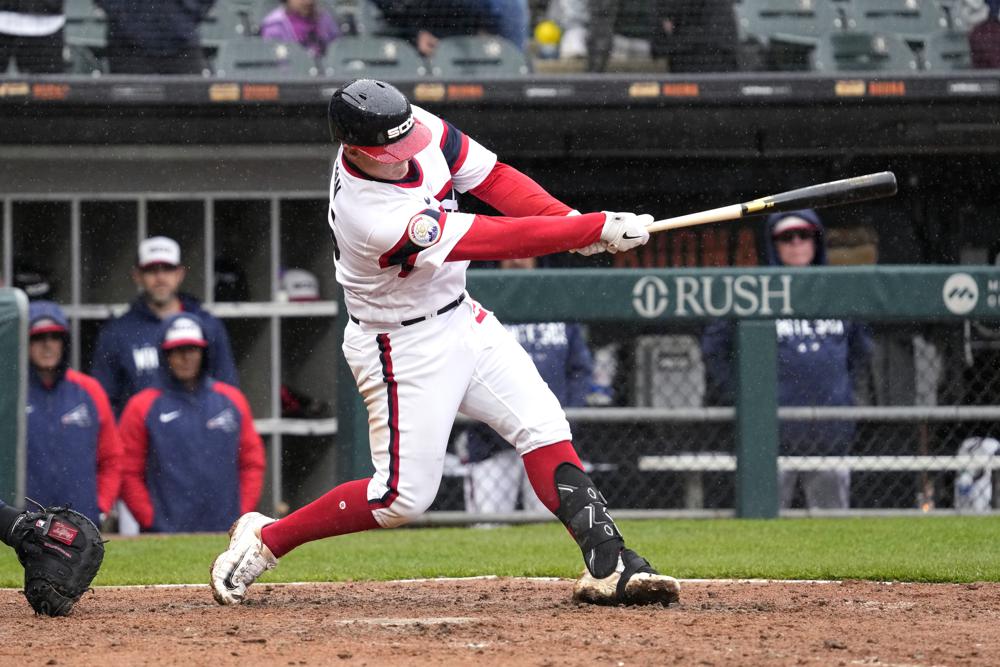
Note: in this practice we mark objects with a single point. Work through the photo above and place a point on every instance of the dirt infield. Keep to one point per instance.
(514, 622)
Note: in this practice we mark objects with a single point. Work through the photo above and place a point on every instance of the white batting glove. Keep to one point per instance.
(625, 231)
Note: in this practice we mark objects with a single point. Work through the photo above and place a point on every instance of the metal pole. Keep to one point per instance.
(757, 420)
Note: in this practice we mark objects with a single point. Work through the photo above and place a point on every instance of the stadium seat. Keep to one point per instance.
(263, 59)
(85, 24)
(359, 17)
(372, 56)
(799, 22)
(945, 51)
(226, 21)
(477, 55)
(911, 19)
(858, 51)
(81, 60)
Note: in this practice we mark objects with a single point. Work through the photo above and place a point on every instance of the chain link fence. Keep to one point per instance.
(658, 433)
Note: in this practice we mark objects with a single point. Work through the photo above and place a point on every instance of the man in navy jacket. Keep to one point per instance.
(193, 459)
(155, 37)
(817, 360)
(74, 455)
(127, 359)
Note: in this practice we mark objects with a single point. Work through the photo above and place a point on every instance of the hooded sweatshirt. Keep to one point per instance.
(126, 360)
(816, 359)
(193, 459)
(74, 454)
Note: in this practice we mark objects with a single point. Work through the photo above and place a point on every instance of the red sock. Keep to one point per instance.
(342, 510)
(541, 464)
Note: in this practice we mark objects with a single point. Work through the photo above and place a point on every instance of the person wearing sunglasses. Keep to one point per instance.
(818, 361)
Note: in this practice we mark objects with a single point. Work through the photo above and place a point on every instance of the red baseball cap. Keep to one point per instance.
(416, 139)
(45, 325)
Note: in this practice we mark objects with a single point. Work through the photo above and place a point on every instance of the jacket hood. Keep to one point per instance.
(810, 216)
(49, 310)
(167, 379)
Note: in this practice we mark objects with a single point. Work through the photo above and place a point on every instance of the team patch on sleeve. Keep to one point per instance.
(424, 230)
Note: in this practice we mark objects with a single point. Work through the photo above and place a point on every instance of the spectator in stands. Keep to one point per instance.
(193, 459)
(817, 363)
(984, 39)
(74, 455)
(126, 358)
(31, 32)
(696, 35)
(155, 37)
(302, 21)
(494, 471)
(425, 22)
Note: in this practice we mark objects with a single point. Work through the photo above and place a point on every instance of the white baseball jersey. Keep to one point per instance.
(392, 238)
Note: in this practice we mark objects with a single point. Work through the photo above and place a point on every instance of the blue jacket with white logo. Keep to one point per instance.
(74, 454)
(126, 358)
(562, 358)
(816, 361)
(193, 459)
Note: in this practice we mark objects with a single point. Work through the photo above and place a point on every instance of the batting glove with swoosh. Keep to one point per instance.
(625, 231)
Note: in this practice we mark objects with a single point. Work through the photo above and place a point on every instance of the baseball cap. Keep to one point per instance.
(300, 285)
(183, 330)
(46, 317)
(790, 223)
(159, 250)
(415, 140)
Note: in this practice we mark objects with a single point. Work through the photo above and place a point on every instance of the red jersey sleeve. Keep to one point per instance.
(135, 443)
(251, 453)
(495, 238)
(109, 446)
(515, 194)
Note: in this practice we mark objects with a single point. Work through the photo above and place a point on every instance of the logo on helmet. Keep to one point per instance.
(401, 129)
(423, 230)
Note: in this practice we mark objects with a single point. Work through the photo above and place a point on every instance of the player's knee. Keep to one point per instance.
(405, 508)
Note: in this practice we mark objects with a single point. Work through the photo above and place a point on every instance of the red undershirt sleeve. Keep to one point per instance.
(515, 194)
(495, 238)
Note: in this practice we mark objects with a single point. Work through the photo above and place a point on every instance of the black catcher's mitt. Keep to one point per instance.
(61, 551)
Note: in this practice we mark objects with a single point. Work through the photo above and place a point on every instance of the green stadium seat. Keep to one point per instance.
(944, 51)
(86, 24)
(226, 21)
(81, 60)
(477, 55)
(372, 56)
(797, 22)
(863, 52)
(263, 59)
(911, 19)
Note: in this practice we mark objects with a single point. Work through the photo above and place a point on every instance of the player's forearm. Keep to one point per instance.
(515, 194)
(496, 238)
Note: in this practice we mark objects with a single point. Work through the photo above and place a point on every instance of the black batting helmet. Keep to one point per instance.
(377, 119)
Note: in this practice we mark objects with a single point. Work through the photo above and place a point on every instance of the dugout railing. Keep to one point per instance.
(900, 451)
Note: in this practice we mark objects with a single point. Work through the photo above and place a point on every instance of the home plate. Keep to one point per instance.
(401, 622)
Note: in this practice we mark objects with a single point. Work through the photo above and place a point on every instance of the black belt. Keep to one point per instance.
(416, 320)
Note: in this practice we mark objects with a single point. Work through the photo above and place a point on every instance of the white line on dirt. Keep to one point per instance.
(488, 577)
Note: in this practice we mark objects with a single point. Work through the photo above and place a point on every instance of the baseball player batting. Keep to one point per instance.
(422, 350)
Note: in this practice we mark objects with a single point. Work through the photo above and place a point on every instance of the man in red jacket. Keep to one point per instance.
(193, 459)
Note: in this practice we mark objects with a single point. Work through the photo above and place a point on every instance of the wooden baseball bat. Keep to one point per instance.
(834, 193)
